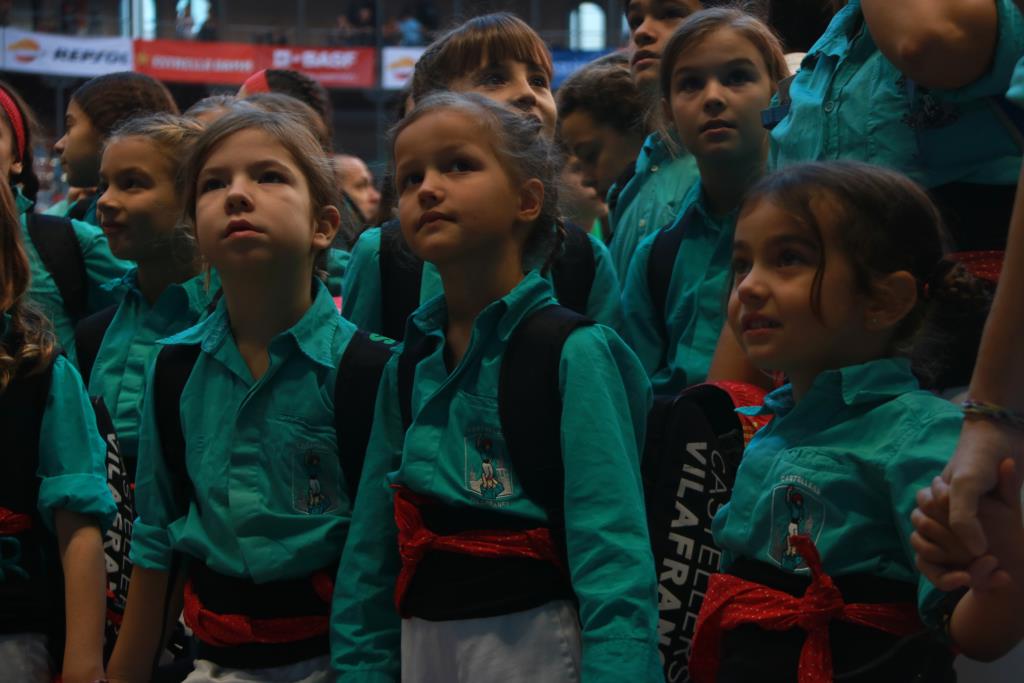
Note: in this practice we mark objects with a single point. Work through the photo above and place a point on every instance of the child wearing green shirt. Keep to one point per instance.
(838, 277)
(493, 580)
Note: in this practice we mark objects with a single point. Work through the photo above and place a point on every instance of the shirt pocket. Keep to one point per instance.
(819, 492)
(478, 463)
(305, 462)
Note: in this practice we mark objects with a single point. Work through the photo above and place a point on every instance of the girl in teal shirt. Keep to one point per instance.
(839, 283)
(54, 500)
(99, 265)
(719, 71)
(140, 208)
(267, 510)
(565, 590)
(500, 57)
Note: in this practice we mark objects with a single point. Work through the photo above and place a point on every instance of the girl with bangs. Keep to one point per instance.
(500, 57)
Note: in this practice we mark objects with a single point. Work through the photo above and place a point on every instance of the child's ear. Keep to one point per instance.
(326, 227)
(16, 168)
(531, 200)
(892, 299)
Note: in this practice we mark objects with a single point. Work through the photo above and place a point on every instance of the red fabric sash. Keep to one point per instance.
(13, 523)
(232, 630)
(415, 540)
(731, 601)
(985, 265)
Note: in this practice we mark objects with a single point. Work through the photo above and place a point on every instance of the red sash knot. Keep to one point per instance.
(731, 601)
(415, 540)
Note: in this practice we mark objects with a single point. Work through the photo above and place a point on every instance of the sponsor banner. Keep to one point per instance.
(353, 67)
(568, 61)
(44, 53)
(398, 63)
(232, 63)
(196, 62)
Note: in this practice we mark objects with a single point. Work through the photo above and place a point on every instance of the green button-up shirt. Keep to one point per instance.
(605, 398)
(100, 268)
(676, 345)
(842, 466)
(72, 456)
(129, 347)
(650, 199)
(850, 102)
(269, 500)
(362, 299)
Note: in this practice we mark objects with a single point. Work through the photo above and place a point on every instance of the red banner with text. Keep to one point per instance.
(231, 63)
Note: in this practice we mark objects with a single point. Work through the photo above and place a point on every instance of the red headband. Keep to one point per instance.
(257, 82)
(17, 122)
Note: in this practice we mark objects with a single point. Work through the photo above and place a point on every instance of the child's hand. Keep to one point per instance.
(940, 555)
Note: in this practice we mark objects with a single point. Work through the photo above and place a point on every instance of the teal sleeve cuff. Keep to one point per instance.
(621, 659)
(86, 494)
(1016, 92)
(151, 547)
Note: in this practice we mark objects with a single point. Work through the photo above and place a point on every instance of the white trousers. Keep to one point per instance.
(24, 658)
(316, 670)
(541, 645)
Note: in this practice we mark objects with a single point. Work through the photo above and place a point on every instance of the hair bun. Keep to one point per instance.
(953, 282)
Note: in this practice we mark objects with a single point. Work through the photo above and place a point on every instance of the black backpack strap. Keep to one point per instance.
(173, 366)
(573, 272)
(620, 182)
(407, 362)
(89, 333)
(55, 240)
(663, 260)
(355, 397)
(400, 276)
(530, 403)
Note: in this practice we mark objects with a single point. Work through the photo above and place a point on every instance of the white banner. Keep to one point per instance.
(399, 63)
(47, 53)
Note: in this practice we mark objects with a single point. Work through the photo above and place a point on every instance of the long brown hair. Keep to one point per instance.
(29, 343)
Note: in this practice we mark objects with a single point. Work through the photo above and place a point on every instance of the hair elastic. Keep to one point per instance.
(257, 83)
(17, 122)
(993, 412)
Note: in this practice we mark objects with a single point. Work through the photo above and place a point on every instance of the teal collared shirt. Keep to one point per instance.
(676, 345)
(72, 456)
(651, 199)
(842, 466)
(100, 268)
(455, 452)
(1016, 92)
(269, 501)
(129, 347)
(63, 208)
(337, 264)
(362, 298)
(850, 102)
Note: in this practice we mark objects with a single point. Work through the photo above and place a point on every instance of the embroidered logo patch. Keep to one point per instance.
(487, 471)
(314, 485)
(795, 510)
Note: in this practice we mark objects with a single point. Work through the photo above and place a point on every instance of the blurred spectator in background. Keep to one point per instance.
(184, 24)
(356, 181)
(410, 28)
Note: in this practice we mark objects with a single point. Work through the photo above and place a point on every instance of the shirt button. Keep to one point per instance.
(643, 222)
(654, 169)
(830, 107)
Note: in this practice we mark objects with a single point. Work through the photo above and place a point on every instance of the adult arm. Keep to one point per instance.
(943, 44)
(998, 378)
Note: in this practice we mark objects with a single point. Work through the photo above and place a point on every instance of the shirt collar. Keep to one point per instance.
(310, 334)
(837, 37)
(129, 282)
(21, 202)
(873, 382)
(505, 314)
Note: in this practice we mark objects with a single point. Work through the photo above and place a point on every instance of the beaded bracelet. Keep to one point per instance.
(993, 412)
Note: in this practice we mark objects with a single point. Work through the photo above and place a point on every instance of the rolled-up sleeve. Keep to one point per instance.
(72, 455)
